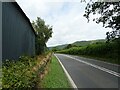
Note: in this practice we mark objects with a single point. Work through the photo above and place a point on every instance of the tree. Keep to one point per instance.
(54, 49)
(109, 15)
(44, 33)
(68, 46)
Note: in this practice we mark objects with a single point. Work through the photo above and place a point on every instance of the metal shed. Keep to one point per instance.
(0, 34)
(18, 35)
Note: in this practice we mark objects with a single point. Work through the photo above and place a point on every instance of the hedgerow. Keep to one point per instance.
(18, 74)
(23, 73)
(103, 50)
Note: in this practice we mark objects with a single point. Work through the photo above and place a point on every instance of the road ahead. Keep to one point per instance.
(89, 73)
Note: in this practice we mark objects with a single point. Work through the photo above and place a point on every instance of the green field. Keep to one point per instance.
(56, 77)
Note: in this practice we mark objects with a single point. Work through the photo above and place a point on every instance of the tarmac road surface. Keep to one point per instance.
(90, 73)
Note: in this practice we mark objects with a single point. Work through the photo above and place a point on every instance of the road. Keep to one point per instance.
(90, 73)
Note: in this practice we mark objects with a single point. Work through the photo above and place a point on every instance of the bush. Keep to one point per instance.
(102, 50)
(19, 74)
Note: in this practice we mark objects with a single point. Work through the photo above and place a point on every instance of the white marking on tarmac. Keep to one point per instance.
(69, 77)
(96, 66)
(102, 61)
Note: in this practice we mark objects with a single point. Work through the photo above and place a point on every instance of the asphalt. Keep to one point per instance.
(87, 76)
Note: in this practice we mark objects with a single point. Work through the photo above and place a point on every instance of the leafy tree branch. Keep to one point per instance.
(109, 15)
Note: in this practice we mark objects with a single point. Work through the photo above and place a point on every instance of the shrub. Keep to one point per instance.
(102, 50)
(19, 74)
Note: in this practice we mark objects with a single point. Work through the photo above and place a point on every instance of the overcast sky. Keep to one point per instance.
(66, 17)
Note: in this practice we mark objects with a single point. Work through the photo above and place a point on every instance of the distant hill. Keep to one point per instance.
(79, 43)
(59, 46)
(84, 43)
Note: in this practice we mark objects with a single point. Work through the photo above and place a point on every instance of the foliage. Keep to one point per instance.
(54, 49)
(77, 44)
(18, 74)
(109, 15)
(44, 33)
(82, 43)
(68, 46)
(25, 72)
(110, 51)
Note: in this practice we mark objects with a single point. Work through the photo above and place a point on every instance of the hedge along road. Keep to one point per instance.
(88, 73)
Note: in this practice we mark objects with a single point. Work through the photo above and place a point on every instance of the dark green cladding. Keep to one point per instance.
(0, 33)
(18, 37)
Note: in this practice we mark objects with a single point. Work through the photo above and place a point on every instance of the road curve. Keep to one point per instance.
(89, 73)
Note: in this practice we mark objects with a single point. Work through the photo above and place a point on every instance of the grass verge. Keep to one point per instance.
(56, 77)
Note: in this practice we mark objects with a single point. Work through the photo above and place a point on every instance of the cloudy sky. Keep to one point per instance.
(66, 17)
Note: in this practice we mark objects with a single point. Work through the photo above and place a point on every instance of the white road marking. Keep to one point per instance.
(96, 66)
(102, 61)
(67, 74)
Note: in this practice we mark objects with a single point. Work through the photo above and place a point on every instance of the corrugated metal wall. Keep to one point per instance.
(0, 33)
(18, 37)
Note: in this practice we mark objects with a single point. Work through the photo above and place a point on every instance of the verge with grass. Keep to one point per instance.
(56, 77)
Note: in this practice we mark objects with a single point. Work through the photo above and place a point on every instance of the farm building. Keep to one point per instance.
(0, 33)
(16, 32)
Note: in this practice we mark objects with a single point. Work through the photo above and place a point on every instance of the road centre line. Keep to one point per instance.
(102, 61)
(96, 66)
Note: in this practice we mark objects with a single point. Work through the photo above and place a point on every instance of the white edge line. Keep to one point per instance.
(67, 74)
(95, 66)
